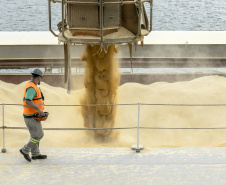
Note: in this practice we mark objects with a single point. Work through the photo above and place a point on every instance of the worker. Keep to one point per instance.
(33, 104)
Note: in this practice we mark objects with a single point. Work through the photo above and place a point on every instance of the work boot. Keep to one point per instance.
(26, 156)
(39, 157)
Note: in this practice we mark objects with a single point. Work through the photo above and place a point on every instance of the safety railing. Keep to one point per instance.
(136, 147)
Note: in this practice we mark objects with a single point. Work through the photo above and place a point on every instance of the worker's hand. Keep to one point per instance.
(41, 113)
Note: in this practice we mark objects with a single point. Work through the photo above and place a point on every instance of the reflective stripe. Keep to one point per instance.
(34, 140)
(40, 104)
(35, 104)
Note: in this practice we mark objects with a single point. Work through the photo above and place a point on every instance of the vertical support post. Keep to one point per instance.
(3, 129)
(139, 4)
(138, 129)
(63, 19)
(138, 147)
(151, 14)
(101, 22)
(50, 19)
(69, 67)
(65, 62)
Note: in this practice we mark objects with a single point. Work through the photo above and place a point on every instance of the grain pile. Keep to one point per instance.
(205, 90)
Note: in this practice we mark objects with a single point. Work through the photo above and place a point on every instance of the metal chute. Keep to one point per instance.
(67, 66)
(101, 22)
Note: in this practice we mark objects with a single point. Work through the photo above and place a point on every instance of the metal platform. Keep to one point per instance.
(116, 166)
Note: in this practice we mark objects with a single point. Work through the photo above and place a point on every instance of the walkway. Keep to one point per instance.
(119, 166)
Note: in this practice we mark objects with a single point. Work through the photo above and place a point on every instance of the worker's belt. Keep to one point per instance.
(38, 117)
(33, 99)
(28, 116)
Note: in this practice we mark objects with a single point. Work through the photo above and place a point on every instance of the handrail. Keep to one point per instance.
(3, 131)
(25, 128)
(183, 128)
(184, 105)
(138, 148)
(3, 127)
(152, 104)
(50, 20)
(118, 128)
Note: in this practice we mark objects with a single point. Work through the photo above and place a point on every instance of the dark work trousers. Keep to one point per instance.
(36, 134)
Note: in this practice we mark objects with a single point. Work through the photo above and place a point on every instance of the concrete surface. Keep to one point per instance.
(118, 166)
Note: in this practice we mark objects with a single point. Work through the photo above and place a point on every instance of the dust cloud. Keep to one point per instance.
(101, 81)
(204, 90)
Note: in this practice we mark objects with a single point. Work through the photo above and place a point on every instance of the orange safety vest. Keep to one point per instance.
(38, 100)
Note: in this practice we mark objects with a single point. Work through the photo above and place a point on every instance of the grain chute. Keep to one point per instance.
(101, 22)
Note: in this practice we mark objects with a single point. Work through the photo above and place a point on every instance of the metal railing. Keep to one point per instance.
(136, 147)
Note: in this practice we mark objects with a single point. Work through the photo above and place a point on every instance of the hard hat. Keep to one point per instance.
(37, 71)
